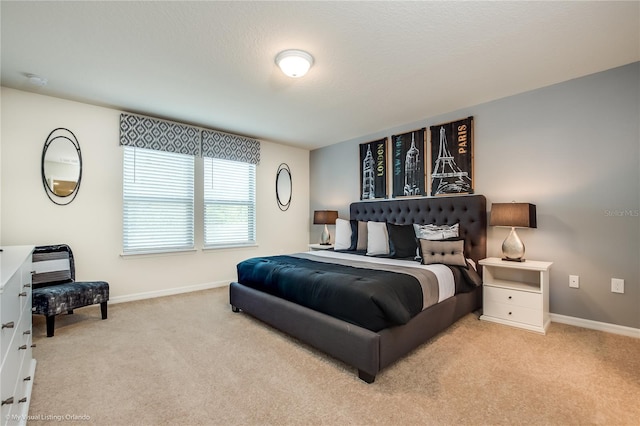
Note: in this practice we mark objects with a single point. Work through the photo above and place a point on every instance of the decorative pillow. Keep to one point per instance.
(377, 239)
(343, 235)
(402, 240)
(436, 232)
(471, 274)
(358, 235)
(445, 252)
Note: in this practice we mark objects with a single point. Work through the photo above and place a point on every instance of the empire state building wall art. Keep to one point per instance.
(408, 162)
(373, 169)
(452, 157)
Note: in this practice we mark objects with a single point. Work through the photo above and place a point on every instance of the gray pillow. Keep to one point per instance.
(436, 232)
(445, 252)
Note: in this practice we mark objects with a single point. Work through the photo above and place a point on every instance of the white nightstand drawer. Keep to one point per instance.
(512, 297)
(513, 313)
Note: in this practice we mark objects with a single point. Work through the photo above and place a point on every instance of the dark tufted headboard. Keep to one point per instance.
(468, 210)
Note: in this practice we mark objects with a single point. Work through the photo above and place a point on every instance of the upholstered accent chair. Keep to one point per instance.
(55, 289)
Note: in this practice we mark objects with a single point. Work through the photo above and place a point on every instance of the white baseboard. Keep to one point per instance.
(167, 292)
(563, 319)
(596, 325)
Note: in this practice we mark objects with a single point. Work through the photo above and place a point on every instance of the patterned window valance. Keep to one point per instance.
(230, 147)
(159, 135)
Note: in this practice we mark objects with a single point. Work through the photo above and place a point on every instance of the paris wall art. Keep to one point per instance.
(452, 157)
(373, 169)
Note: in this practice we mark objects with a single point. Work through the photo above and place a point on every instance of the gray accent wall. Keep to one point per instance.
(573, 149)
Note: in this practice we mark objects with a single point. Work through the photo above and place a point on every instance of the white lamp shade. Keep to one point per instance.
(294, 63)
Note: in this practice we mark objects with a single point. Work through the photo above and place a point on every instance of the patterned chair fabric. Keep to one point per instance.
(55, 290)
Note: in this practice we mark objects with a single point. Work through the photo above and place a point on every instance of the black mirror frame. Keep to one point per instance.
(281, 169)
(57, 199)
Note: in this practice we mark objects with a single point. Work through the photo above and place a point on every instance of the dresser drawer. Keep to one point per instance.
(12, 304)
(25, 286)
(17, 361)
(513, 313)
(507, 296)
(10, 367)
(10, 313)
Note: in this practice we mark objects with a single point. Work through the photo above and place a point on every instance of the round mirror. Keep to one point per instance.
(283, 187)
(61, 166)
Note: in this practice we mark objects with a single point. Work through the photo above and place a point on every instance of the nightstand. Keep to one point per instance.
(320, 247)
(516, 293)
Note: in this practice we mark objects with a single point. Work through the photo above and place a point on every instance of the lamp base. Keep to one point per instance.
(325, 237)
(513, 247)
(514, 260)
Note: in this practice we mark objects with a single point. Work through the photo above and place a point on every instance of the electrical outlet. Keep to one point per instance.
(617, 285)
(574, 281)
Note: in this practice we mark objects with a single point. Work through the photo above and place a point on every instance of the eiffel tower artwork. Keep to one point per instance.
(447, 177)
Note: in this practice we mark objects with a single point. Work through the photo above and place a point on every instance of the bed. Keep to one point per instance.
(369, 351)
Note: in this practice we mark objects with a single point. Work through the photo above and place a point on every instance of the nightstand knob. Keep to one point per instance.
(509, 313)
(509, 297)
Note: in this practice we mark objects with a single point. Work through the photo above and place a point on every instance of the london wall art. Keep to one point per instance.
(452, 157)
(409, 161)
(373, 169)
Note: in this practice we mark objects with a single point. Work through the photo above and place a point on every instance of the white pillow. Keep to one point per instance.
(343, 235)
(377, 239)
(436, 232)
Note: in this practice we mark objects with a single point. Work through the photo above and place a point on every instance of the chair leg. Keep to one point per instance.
(103, 310)
(51, 321)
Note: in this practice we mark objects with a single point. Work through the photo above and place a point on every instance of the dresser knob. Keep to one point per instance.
(24, 293)
(26, 332)
(509, 313)
(26, 379)
(8, 401)
(33, 345)
(22, 400)
(8, 325)
(23, 347)
(509, 297)
(27, 285)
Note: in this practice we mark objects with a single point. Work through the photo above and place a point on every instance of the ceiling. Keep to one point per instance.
(378, 65)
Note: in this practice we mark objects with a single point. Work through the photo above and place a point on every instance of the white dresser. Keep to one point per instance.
(18, 366)
(516, 293)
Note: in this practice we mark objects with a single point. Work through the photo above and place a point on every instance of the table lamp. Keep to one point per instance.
(515, 215)
(325, 217)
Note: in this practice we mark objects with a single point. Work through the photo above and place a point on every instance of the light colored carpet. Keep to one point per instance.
(188, 359)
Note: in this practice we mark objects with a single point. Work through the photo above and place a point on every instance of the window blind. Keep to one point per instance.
(158, 201)
(229, 203)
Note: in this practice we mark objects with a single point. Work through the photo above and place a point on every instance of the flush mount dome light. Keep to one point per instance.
(36, 80)
(294, 63)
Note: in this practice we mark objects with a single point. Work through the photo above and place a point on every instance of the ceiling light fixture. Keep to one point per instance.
(294, 63)
(36, 80)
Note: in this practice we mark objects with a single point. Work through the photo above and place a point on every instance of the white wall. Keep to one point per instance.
(92, 223)
(573, 149)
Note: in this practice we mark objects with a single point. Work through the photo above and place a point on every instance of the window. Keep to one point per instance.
(229, 203)
(157, 201)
